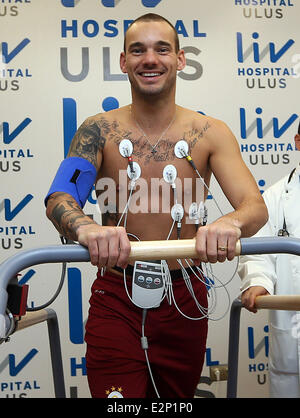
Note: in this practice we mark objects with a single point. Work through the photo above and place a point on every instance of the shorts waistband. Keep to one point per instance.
(175, 274)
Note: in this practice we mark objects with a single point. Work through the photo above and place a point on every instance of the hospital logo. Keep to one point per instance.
(114, 392)
(12, 75)
(268, 146)
(261, 11)
(261, 62)
(12, 234)
(12, 155)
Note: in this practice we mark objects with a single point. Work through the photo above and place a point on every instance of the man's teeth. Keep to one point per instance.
(150, 74)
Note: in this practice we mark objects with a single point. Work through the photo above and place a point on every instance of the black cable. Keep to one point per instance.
(61, 282)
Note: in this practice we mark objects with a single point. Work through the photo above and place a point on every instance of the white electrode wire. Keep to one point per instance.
(171, 230)
(216, 277)
(146, 353)
(211, 282)
(167, 279)
(206, 312)
(212, 286)
(125, 211)
(189, 286)
(180, 311)
(150, 372)
(188, 283)
(211, 291)
(185, 154)
(207, 188)
(212, 296)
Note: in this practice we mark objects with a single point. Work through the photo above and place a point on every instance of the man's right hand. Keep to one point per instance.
(107, 245)
(249, 296)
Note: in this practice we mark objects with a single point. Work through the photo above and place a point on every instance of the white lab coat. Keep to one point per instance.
(280, 274)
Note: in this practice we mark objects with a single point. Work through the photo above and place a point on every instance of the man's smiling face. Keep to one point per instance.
(151, 60)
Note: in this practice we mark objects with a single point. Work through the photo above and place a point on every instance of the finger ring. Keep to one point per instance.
(222, 248)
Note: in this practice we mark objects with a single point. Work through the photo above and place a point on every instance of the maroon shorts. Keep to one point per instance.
(115, 359)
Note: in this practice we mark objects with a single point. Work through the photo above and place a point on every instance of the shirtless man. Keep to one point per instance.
(154, 124)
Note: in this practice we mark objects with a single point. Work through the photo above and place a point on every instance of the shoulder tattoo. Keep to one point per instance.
(88, 140)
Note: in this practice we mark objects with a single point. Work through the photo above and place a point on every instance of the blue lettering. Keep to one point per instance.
(150, 3)
(75, 306)
(198, 34)
(27, 385)
(73, 28)
(69, 121)
(239, 39)
(110, 25)
(209, 362)
(126, 24)
(279, 131)
(9, 137)
(259, 126)
(261, 367)
(68, 3)
(6, 56)
(252, 367)
(253, 351)
(75, 366)
(255, 35)
(26, 277)
(110, 3)
(180, 28)
(94, 28)
(12, 213)
(243, 123)
(276, 56)
(14, 368)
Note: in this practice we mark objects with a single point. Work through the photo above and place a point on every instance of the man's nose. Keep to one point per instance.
(150, 57)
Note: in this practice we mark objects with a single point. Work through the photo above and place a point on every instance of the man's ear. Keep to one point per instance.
(181, 61)
(123, 62)
(297, 141)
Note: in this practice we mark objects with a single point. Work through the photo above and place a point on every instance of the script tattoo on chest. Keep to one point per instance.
(92, 135)
(164, 150)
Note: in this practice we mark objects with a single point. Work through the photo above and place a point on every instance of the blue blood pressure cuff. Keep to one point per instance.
(76, 177)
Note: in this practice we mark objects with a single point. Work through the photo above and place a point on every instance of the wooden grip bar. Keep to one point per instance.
(32, 318)
(158, 250)
(278, 302)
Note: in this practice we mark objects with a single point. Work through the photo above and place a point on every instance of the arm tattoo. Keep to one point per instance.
(67, 216)
(87, 141)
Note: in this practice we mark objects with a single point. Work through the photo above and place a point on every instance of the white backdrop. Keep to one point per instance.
(60, 64)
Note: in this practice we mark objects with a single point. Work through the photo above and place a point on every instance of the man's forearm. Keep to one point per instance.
(66, 215)
(250, 217)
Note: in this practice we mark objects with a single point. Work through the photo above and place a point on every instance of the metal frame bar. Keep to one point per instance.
(56, 354)
(77, 253)
(233, 348)
(48, 315)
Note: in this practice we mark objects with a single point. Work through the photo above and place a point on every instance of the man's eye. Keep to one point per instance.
(163, 50)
